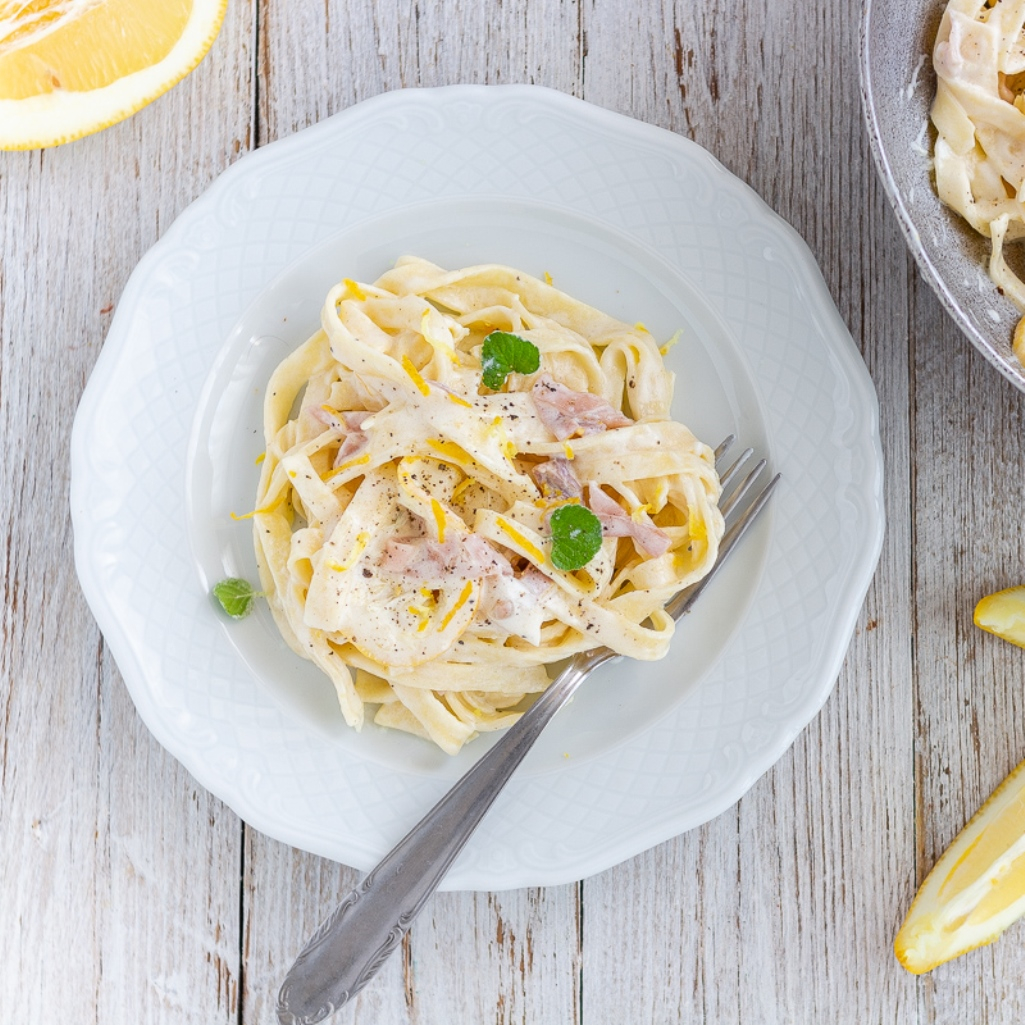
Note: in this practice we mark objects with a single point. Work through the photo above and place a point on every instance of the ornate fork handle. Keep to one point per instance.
(361, 933)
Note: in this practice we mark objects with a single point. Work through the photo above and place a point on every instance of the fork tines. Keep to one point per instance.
(736, 526)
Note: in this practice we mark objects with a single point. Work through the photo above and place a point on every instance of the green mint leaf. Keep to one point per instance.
(504, 353)
(236, 597)
(576, 536)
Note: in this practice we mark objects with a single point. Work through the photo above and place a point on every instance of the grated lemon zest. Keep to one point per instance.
(263, 509)
(424, 615)
(663, 349)
(661, 496)
(452, 452)
(696, 527)
(260, 458)
(439, 519)
(421, 384)
(464, 597)
(554, 503)
(508, 448)
(461, 487)
(362, 540)
(568, 449)
(348, 465)
(524, 542)
(354, 289)
(435, 340)
(637, 515)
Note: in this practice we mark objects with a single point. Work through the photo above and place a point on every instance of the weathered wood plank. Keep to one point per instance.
(316, 58)
(118, 875)
(783, 908)
(287, 894)
(503, 958)
(970, 727)
(527, 942)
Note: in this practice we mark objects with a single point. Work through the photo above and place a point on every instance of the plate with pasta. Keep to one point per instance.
(454, 426)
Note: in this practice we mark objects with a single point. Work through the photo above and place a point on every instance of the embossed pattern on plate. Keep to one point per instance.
(761, 294)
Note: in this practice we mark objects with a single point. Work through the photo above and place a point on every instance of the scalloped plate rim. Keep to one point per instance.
(672, 822)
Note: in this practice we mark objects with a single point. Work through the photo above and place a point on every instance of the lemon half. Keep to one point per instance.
(72, 67)
(976, 889)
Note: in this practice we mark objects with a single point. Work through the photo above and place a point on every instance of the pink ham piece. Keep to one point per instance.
(507, 602)
(555, 476)
(430, 382)
(352, 444)
(343, 423)
(516, 604)
(434, 564)
(535, 582)
(617, 522)
(348, 424)
(524, 591)
(566, 412)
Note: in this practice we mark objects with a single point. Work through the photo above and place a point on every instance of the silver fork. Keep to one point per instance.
(352, 943)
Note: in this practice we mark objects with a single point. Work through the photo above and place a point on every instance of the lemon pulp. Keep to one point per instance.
(71, 67)
(976, 889)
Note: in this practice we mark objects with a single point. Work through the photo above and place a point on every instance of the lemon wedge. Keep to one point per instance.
(72, 67)
(1003, 614)
(976, 889)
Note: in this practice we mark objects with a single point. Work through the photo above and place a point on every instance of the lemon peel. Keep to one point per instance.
(71, 68)
(1003, 614)
(976, 889)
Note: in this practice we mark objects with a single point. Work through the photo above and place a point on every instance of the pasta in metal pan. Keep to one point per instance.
(469, 476)
(979, 114)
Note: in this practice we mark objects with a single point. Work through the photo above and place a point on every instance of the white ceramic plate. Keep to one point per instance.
(633, 219)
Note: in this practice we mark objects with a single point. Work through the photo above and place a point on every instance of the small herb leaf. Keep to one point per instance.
(236, 596)
(504, 353)
(576, 536)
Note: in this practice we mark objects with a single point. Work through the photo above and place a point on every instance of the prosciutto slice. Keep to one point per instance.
(517, 604)
(617, 522)
(556, 476)
(513, 604)
(566, 412)
(347, 424)
(435, 564)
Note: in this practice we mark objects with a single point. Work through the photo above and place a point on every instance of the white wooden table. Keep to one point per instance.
(130, 895)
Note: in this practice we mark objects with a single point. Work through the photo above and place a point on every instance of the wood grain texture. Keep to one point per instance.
(788, 868)
(129, 894)
(118, 875)
(969, 709)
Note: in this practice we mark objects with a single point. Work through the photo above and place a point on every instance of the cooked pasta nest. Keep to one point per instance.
(403, 515)
(979, 114)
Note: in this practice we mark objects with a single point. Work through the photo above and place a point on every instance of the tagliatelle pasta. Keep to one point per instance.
(406, 518)
(979, 113)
